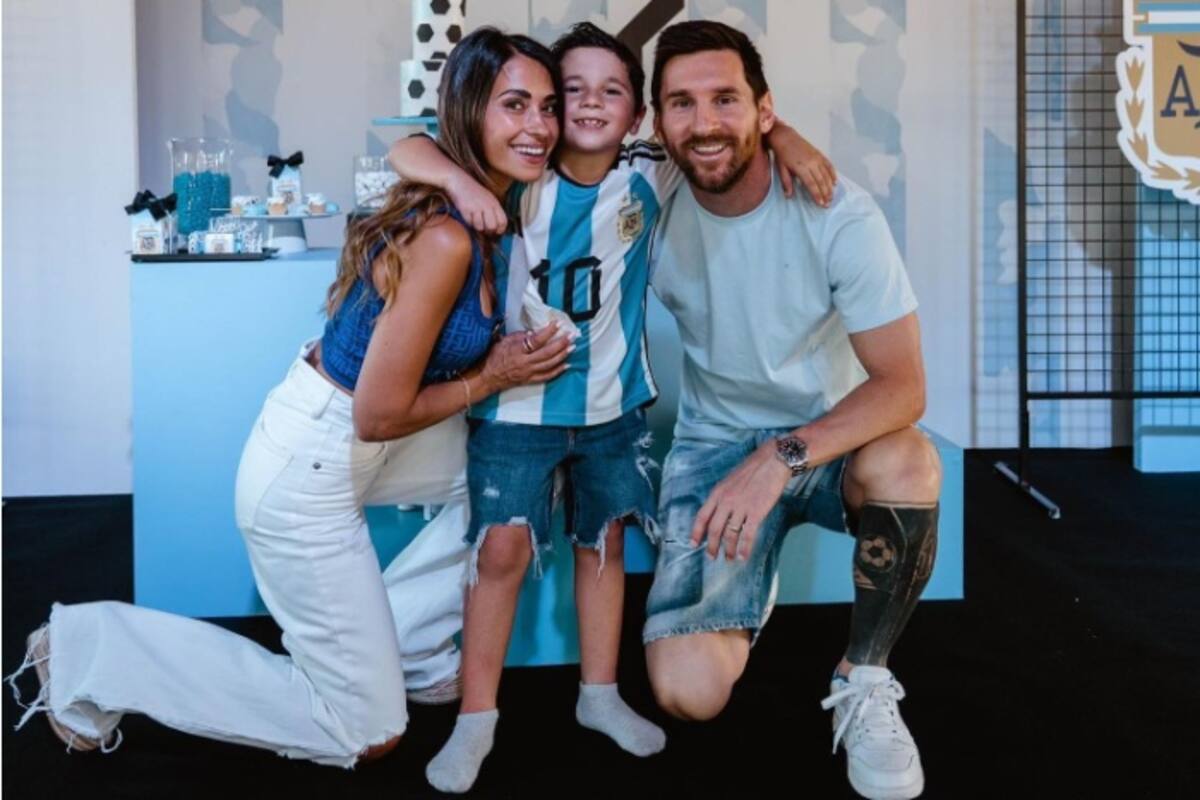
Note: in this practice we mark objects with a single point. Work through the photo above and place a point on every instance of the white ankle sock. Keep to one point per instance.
(456, 766)
(601, 708)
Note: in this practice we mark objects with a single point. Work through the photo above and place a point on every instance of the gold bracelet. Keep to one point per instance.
(467, 389)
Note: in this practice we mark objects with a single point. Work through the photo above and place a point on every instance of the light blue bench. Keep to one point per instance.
(209, 341)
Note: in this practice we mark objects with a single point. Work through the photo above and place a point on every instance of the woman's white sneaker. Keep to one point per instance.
(882, 760)
(439, 694)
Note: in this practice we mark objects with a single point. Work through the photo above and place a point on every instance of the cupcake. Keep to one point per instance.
(277, 206)
(242, 203)
(316, 203)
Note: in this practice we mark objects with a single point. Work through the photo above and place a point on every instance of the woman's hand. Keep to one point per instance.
(795, 156)
(478, 206)
(526, 357)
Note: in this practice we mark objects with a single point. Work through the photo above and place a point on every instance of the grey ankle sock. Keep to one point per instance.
(601, 708)
(455, 768)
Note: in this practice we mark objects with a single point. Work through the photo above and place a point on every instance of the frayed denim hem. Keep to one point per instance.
(481, 536)
(350, 762)
(106, 741)
(644, 519)
(751, 625)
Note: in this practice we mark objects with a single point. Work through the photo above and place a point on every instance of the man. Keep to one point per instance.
(802, 379)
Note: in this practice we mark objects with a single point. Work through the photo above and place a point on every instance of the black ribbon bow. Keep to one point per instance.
(277, 164)
(158, 207)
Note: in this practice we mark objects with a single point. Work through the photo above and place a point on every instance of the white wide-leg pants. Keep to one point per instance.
(354, 636)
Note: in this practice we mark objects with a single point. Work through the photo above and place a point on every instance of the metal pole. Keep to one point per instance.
(1020, 478)
(1022, 298)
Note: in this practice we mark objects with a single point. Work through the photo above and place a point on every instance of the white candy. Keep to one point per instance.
(370, 187)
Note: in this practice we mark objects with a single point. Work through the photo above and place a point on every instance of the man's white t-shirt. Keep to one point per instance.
(765, 302)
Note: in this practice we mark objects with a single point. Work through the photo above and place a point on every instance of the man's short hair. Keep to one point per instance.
(585, 34)
(684, 38)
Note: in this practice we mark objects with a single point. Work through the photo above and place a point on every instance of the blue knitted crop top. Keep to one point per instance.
(464, 339)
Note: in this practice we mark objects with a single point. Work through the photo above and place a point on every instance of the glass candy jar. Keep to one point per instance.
(373, 176)
(200, 179)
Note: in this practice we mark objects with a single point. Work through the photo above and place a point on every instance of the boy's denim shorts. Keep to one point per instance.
(511, 476)
(693, 593)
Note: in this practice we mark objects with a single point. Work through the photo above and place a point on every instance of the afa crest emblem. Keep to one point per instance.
(630, 220)
(1159, 100)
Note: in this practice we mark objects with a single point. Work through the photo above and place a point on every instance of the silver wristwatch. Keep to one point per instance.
(793, 452)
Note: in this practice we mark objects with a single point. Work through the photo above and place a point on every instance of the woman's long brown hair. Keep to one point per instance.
(466, 88)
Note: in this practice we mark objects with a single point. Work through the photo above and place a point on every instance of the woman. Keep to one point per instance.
(369, 415)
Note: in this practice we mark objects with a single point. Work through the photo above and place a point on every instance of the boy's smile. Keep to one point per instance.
(599, 100)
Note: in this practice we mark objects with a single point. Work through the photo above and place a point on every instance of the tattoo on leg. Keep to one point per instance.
(893, 558)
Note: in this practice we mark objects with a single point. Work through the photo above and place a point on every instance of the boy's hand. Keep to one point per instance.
(478, 206)
(795, 156)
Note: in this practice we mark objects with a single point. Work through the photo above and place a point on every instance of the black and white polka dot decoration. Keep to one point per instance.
(419, 87)
(437, 26)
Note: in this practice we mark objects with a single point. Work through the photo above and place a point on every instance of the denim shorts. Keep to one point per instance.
(693, 593)
(511, 476)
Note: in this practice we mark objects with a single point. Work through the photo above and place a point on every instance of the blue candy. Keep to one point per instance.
(197, 194)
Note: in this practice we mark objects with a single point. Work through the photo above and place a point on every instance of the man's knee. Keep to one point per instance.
(693, 676)
(695, 697)
(900, 467)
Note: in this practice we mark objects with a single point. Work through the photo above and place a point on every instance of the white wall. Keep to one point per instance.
(70, 164)
(310, 74)
(305, 75)
(938, 143)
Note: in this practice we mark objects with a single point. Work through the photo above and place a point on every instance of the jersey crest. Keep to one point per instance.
(631, 220)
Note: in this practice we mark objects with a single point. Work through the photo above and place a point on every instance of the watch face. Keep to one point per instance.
(793, 452)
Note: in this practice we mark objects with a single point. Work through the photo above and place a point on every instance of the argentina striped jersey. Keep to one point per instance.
(584, 251)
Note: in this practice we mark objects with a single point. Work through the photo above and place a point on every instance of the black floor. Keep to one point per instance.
(1072, 670)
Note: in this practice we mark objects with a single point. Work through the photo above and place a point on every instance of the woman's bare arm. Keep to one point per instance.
(389, 401)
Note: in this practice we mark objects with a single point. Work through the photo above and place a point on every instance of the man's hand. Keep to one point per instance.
(739, 504)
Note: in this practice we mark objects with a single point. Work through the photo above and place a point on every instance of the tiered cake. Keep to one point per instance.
(437, 26)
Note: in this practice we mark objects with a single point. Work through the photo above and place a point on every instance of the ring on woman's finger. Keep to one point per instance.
(737, 529)
(527, 342)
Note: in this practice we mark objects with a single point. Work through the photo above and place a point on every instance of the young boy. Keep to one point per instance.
(578, 258)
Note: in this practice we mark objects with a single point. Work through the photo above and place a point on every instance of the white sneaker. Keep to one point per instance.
(881, 757)
(439, 694)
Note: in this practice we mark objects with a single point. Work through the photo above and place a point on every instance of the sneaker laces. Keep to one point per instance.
(869, 705)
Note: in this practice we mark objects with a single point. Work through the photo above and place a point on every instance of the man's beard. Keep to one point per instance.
(724, 178)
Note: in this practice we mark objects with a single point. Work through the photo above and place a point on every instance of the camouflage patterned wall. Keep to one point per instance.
(276, 77)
